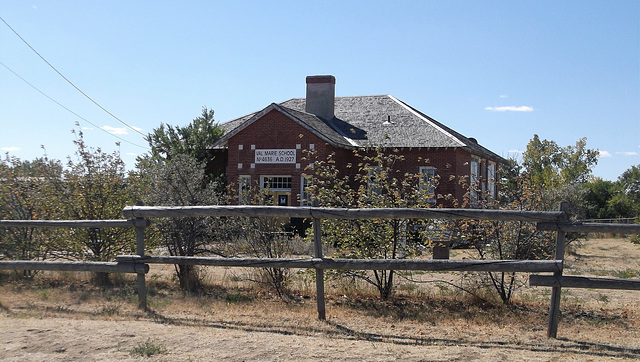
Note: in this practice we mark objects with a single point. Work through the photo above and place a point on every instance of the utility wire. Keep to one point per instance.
(70, 111)
(68, 81)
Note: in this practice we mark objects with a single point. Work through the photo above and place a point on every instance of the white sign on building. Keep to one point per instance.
(275, 156)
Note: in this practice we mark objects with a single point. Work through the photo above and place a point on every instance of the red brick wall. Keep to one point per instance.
(276, 131)
(272, 131)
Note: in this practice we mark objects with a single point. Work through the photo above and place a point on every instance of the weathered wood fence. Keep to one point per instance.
(137, 216)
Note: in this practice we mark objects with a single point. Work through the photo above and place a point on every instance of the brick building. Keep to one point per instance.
(266, 148)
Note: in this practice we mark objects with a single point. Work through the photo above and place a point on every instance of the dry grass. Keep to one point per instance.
(233, 319)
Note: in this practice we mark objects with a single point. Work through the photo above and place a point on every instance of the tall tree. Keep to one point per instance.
(193, 140)
(551, 166)
(597, 198)
(559, 173)
(178, 172)
(549, 174)
(625, 202)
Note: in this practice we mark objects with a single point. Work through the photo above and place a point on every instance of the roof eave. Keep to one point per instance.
(222, 142)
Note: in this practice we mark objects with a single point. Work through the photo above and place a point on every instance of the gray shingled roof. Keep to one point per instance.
(385, 120)
(366, 121)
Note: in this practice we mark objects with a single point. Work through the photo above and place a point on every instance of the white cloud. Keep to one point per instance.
(131, 154)
(503, 96)
(10, 149)
(87, 128)
(515, 151)
(510, 109)
(115, 130)
(136, 128)
(632, 153)
(605, 154)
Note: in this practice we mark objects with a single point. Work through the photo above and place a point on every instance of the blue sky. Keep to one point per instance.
(498, 71)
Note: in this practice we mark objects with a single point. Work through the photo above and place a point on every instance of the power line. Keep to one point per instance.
(68, 81)
(69, 110)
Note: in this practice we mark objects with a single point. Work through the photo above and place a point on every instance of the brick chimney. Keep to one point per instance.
(321, 96)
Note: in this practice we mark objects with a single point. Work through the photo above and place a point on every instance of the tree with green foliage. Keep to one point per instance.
(550, 166)
(597, 199)
(626, 201)
(181, 181)
(193, 140)
(559, 173)
(510, 240)
(93, 186)
(548, 175)
(615, 199)
(177, 172)
(375, 182)
(22, 198)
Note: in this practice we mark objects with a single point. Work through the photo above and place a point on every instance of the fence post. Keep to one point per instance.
(141, 224)
(317, 240)
(554, 307)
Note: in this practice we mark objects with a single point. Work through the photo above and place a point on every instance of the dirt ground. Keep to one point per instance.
(69, 322)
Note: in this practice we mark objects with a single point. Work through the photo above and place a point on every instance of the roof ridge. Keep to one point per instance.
(437, 125)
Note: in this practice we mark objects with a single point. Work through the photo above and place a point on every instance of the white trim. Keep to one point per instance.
(474, 180)
(491, 179)
(303, 193)
(244, 187)
(430, 186)
(262, 177)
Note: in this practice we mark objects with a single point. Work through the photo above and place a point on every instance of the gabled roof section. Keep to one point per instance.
(384, 120)
(388, 121)
(369, 121)
(309, 121)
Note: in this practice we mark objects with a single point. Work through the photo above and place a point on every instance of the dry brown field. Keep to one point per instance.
(63, 317)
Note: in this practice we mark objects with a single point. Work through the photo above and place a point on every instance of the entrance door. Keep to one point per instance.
(282, 199)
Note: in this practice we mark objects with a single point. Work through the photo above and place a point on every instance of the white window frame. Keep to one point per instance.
(491, 179)
(474, 179)
(263, 178)
(373, 186)
(305, 199)
(427, 181)
(244, 187)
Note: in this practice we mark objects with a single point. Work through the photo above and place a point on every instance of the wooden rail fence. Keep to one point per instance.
(137, 217)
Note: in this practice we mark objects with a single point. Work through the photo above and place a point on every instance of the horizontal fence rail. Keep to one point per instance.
(341, 213)
(589, 227)
(583, 282)
(90, 266)
(72, 223)
(137, 217)
(523, 266)
(98, 267)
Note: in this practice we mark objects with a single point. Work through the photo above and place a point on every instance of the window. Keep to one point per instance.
(373, 180)
(491, 179)
(276, 183)
(244, 189)
(305, 198)
(474, 180)
(428, 181)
